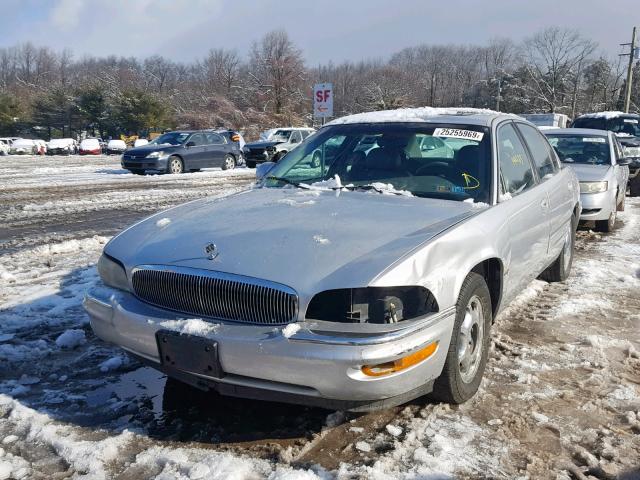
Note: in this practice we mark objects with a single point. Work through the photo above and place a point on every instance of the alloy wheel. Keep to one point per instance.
(470, 340)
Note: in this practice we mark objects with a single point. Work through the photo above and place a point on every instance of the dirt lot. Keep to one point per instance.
(561, 397)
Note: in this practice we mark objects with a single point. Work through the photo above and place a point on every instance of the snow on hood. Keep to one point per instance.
(408, 115)
(311, 240)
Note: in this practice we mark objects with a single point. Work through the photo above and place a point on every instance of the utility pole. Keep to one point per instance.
(499, 94)
(632, 51)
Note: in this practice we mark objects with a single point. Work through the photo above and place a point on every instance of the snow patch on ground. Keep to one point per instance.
(71, 338)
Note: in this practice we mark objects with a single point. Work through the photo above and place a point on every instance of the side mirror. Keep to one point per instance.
(624, 161)
(190, 144)
(263, 168)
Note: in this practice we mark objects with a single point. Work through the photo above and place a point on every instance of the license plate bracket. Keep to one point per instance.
(189, 353)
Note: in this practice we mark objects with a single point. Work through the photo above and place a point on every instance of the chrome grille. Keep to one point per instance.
(215, 294)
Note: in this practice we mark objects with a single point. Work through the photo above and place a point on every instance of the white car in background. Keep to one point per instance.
(62, 146)
(42, 146)
(4, 148)
(24, 146)
(90, 146)
(140, 142)
(116, 147)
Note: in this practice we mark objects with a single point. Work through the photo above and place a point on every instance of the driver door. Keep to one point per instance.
(195, 155)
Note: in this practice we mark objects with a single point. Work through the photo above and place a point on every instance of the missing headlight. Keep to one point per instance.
(372, 304)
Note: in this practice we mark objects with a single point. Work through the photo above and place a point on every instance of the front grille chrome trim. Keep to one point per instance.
(216, 295)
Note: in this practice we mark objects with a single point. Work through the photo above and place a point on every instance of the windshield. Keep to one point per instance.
(281, 136)
(425, 160)
(171, 138)
(593, 150)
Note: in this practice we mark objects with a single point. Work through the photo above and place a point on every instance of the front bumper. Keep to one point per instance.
(597, 206)
(159, 163)
(309, 367)
(258, 156)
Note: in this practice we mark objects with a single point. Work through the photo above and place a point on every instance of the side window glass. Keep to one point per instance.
(296, 137)
(197, 139)
(540, 150)
(306, 133)
(214, 139)
(515, 168)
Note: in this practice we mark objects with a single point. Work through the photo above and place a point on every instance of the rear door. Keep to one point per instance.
(525, 206)
(216, 149)
(558, 188)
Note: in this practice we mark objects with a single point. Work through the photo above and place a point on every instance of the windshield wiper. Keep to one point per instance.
(370, 187)
(287, 181)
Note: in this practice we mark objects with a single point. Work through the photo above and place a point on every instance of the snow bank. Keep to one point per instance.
(71, 339)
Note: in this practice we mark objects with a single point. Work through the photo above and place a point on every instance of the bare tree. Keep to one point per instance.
(553, 58)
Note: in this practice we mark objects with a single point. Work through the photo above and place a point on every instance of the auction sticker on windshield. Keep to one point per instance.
(594, 139)
(456, 133)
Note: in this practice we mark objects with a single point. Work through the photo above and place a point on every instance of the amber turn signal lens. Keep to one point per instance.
(400, 364)
(235, 138)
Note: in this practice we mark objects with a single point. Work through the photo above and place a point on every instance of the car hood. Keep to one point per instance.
(309, 240)
(262, 144)
(590, 173)
(147, 149)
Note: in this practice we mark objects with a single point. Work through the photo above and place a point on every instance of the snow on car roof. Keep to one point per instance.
(480, 116)
(607, 115)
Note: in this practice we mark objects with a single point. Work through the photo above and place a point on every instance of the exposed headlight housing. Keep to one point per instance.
(380, 305)
(112, 272)
(154, 155)
(593, 187)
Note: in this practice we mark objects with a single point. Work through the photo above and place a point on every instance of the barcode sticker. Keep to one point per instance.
(456, 133)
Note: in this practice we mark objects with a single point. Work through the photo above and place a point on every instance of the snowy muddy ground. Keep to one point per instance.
(561, 397)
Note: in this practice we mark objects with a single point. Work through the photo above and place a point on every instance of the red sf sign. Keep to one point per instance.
(323, 100)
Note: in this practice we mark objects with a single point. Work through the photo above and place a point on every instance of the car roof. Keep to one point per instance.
(609, 114)
(463, 116)
(577, 131)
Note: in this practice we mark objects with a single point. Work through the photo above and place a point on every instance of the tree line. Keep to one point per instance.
(48, 94)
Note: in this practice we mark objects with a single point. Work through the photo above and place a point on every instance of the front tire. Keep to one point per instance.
(175, 165)
(469, 346)
(607, 226)
(229, 162)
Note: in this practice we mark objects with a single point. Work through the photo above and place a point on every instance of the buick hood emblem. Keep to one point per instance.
(211, 250)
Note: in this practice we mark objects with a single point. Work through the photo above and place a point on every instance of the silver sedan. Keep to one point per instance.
(602, 169)
(357, 278)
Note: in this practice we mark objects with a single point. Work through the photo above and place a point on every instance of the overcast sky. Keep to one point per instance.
(325, 30)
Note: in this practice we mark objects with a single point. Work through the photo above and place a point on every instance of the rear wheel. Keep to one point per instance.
(559, 270)
(175, 165)
(469, 346)
(634, 187)
(229, 162)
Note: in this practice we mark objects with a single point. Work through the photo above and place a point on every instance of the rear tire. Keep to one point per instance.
(634, 187)
(175, 165)
(469, 346)
(229, 162)
(560, 269)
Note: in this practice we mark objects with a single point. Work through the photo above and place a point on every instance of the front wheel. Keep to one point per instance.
(175, 165)
(229, 163)
(607, 225)
(469, 346)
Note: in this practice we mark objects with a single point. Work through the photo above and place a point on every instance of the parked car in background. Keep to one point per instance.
(90, 146)
(626, 126)
(183, 151)
(62, 146)
(7, 141)
(139, 142)
(547, 120)
(281, 142)
(4, 148)
(235, 137)
(24, 146)
(382, 288)
(599, 162)
(116, 147)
